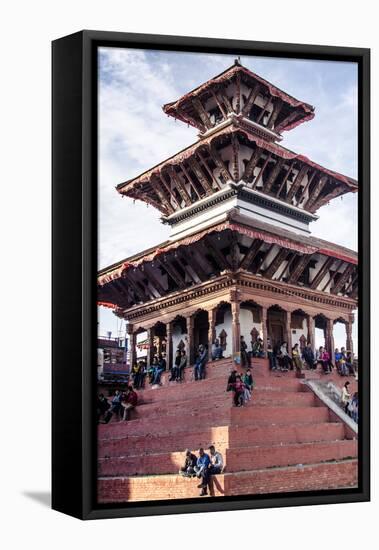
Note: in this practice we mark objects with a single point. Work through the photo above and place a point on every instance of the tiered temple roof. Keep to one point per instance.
(239, 204)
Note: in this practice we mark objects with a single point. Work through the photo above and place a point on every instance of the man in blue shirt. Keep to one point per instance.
(202, 471)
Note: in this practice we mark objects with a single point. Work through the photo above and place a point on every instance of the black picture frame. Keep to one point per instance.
(74, 175)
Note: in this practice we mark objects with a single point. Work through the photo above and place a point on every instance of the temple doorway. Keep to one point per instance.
(200, 328)
(276, 325)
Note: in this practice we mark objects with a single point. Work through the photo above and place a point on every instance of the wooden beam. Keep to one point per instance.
(196, 169)
(288, 266)
(317, 190)
(251, 254)
(343, 279)
(190, 180)
(171, 271)
(204, 116)
(252, 163)
(218, 102)
(154, 281)
(299, 269)
(268, 158)
(161, 194)
(273, 175)
(167, 186)
(179, 186)
(195, 264)
(234, 251)
(321, 273)
(135, 287)
(275, 264)
(284, 181)
(205, 164)
(265, 105)
(195, 122)
(215, 253)
(250, 99)
(219, 162)
(289, 118)
(338, 190)
(310, 179)
(332, 275)
(296, 184)
(238, 92)
(225, 99)
(235, 149)
(354, 279)
(275, 112)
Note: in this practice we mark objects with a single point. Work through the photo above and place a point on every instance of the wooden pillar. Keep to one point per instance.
(169, 345)
(288, 331)
(150, 343)
(349, 334)
(330, 339)
(264, 329)
(190, 342)
(132, 345)
(211, 329)
(311, 331)
(236, 330)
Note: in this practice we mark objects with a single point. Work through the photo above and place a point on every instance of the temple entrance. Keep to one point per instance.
(200, 328)
(276, 325)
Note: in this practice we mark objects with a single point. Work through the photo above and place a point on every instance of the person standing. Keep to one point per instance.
(345, 397)
(296, 358)
(271, 355)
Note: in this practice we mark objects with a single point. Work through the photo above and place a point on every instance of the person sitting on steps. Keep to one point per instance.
(201, 360)
(130, 401)
(188, 469)
(202, 471)
(216, 350)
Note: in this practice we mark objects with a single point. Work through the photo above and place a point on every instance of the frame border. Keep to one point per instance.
(74, 231)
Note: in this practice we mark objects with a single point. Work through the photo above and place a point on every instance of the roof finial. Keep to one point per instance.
(237, 60)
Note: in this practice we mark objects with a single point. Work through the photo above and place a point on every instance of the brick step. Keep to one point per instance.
(267, 456)
(236, 460)
(333, 475)
(223, 436)
(212, 386)
(225, 400)
(242, 416)
(255, 414)
(285, 433)
(163, 442)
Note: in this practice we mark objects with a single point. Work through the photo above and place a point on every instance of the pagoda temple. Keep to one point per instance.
(240, 259)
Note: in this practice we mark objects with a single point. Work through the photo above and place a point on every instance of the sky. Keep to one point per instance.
(135, 134)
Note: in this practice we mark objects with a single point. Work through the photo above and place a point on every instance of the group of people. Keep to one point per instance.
(203, 466)
(241, 386)
(283, 359)
(349, 402)
(121, 405)
(257, 350)
(153, 372)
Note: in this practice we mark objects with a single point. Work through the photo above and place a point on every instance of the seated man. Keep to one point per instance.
(247, 379)
(257, 348)
(157, 372)
(216, 350)
(175, 367)
(202, 358)
(115, 406)
(239, 391)
(188, 470)
(217, 463)
(309, 357)
(182, 366)
(102, 407)
(130, 401)
(202, 471)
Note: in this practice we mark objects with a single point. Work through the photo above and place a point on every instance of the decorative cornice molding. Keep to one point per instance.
(239, 191)
(241, 280)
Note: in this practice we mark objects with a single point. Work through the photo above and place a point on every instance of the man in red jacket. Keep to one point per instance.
(130, 401)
